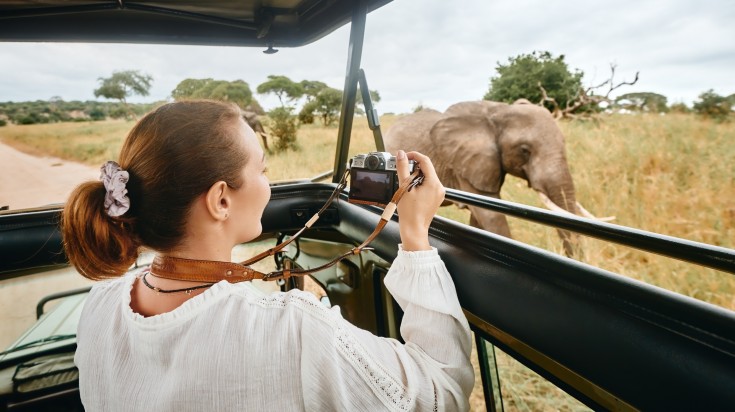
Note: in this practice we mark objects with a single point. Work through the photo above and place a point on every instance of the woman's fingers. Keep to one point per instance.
(425, 163)
(402, 165)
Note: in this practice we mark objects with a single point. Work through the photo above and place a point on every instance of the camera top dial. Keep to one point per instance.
(375, 162)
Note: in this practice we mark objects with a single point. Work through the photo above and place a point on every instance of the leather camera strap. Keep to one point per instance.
(192, 270)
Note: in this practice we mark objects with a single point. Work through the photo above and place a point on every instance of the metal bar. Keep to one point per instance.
(715, 257)
(357, 34)
(49, 298)
(321, 176)
(370, 113)
(489, 373)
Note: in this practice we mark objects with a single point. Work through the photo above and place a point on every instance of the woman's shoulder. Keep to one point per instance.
(300, 303)
(107, 292)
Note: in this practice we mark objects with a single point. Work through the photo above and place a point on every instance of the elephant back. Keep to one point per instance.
(411, 132)
(474, 108)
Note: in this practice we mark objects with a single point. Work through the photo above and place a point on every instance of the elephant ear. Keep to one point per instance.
(466, 153)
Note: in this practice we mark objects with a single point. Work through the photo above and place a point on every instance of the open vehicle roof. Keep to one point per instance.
(283, 23)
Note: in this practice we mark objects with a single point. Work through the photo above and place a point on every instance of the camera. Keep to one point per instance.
(374, 178)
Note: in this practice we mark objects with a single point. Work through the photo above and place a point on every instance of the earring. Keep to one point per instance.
(227, 215)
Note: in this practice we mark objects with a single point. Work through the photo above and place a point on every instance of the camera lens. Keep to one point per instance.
(372, 162)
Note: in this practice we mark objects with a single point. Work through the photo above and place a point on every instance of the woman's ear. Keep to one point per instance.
(217, 201)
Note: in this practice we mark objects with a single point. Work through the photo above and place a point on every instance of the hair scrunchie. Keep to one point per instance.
(114, 178)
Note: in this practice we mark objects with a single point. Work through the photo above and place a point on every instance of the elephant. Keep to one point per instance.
(253, 120)
(474, 144)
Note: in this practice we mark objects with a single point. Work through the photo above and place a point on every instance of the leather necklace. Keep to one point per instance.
(209, 271)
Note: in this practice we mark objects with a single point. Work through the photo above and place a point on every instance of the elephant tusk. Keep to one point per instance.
(589, 215)
(551, 205)
(554, 207)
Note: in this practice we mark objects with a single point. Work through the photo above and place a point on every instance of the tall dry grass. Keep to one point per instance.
(672, 174)
(87, 142)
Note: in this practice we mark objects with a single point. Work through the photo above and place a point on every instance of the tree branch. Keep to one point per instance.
(545, 98)
(586, 96)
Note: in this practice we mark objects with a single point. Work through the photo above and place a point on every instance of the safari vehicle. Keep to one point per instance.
(610, 342)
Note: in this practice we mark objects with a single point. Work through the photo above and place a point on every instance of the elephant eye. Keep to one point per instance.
(525, 151)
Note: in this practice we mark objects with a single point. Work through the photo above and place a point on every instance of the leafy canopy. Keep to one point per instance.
(122, 84)
(282, 87)
(521, 76)
(325, 102)
(643, 101)
(236, 91)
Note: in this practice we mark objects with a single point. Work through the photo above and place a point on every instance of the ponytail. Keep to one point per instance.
(98, 245)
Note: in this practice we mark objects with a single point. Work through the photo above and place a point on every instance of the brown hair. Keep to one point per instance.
(173, 155)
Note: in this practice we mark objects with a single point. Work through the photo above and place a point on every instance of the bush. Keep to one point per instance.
(96, 114)
(30, 118)
(712, 105)
(119, 112)
(283, 127)
(679, 108)
(3, 122)
(306, 115)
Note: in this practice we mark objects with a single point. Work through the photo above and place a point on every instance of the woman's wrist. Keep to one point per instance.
(415, 240)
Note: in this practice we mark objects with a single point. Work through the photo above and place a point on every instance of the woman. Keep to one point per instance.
(191, 184)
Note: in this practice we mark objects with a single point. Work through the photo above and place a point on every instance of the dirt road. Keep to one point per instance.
(30, 181)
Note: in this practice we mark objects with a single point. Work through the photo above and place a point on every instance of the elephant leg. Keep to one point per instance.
(489, 220)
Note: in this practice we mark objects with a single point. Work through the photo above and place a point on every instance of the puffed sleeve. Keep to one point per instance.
(430, 372)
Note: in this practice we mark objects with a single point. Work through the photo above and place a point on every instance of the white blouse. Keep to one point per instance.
(234, 348)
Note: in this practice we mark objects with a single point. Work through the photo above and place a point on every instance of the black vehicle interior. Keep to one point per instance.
(611, 342)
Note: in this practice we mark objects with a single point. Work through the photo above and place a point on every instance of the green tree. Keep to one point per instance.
(123, 84)
(282, 87)
(712, 105)
(312, 88)
(188, 87)
(328, 105)
(523, 74)
(643, 101)
(325, 102)
(237, 91)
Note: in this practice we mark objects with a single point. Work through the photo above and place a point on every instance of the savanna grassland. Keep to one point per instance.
(671, 174)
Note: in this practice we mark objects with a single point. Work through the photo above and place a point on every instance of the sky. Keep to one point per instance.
(429, 52)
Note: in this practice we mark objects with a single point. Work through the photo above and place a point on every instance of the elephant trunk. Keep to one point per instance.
(558, 186)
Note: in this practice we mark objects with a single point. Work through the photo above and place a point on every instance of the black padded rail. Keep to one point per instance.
(647, 347)
(715, 257)
(30, 240)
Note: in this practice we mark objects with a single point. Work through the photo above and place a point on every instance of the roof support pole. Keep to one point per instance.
(347, 113)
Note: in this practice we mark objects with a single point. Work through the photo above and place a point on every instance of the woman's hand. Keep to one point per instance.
(417, 207)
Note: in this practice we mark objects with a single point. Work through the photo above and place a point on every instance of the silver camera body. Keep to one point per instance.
(374, 178)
